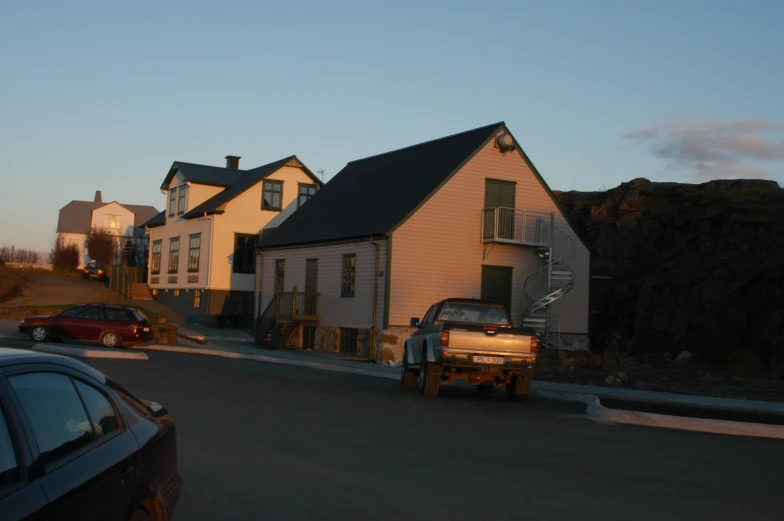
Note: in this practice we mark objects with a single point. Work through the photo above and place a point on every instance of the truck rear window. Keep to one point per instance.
(473, 313)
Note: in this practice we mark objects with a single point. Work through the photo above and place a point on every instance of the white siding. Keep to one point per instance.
(437, 253)
(333, 309)
(77, 239)
(99, 219)
(181, 228)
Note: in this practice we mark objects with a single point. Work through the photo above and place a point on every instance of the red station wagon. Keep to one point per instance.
(113, 326)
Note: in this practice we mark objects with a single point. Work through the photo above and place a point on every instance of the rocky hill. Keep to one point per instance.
(687, 267)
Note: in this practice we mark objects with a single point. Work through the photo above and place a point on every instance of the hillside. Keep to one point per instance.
(686, 267)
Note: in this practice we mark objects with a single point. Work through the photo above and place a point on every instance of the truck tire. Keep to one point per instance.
(408, 377)
(518, 388)
(428, 383)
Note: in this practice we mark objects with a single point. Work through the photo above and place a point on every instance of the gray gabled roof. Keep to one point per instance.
(248, 178)
(371, 196)
(157, 220)
(202, 174)
(76, 216)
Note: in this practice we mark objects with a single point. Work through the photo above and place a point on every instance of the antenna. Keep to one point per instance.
(320, 172)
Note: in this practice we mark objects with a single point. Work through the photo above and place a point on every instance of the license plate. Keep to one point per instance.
(498, 360)
(146, 329)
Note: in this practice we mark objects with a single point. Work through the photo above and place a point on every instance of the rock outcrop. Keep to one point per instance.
(680, 267)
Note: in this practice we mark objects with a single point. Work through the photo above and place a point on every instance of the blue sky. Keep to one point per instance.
(102, 96)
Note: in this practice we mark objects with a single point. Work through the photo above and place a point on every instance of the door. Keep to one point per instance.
(311, 287)
(497, 285)
(92, 323)
(425, 326)
(500, 194)
(67, 323)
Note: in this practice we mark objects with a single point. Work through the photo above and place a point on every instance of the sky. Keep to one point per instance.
(106, 95)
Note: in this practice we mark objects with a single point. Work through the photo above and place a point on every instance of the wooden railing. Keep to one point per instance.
(121, 277)
(296, 305)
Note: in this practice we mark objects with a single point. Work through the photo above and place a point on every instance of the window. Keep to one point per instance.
(194, 251)
(93, 313)
(181, 200)
(9, 468)
(280, 275)
(347, 287)
(116, 314)
(102, 416)
(55, 412)
(308, 337)
(112, 222)
(74, 312)
(241, 302)
(174, 254)
(348, 340)
(305, 193)
(176, 293)
(273, 194)
(196, 298)
(155, 260)
(244, 247)
(172, 201)
(428, 318)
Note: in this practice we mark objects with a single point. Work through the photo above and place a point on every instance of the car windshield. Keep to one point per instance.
(139, 315)
(473, 313)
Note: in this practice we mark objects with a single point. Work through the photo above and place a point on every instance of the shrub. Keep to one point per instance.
(64, 258)
(102, 246)
(14, 254)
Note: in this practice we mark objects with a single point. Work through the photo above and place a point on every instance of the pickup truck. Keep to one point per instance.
(473, 340)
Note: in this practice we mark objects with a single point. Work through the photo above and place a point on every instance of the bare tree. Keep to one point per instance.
(14, 254)
(102, 246)
(64, 258)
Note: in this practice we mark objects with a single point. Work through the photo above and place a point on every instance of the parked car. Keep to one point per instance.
(94, 271)
(113, 326)
(76, 445)
(473, 340)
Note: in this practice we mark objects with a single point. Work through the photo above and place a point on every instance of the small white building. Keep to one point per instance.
(123, 220)
(465, 216)
(202, 246)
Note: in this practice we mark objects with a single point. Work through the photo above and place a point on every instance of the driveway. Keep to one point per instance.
(263, 441)
(52, 289)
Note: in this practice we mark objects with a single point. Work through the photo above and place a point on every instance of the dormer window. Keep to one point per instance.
(181, 200)
(172, 201)
(305, 193)
(272, 197)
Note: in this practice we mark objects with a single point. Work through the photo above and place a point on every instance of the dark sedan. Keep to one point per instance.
(113, 326)
(76, 445)
(94, 271)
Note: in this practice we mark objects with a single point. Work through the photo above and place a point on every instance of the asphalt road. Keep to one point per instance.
(11, 337)
(260, 441)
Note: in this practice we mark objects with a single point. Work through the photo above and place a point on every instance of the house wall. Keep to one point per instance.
(333, 310)
(181, 228)
(437, 253)
(244, 215)
(126, 219)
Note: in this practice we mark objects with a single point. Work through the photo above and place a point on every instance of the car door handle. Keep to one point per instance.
(125, 474)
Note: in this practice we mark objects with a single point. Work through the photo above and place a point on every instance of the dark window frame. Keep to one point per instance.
(306, 187)
(196, 299)
(348, 276)
(155, 257)
(181, 199)
(15, 476)
(349, 337)
(273, 188)
(172, 201)
(174, 254)
(244, 260)
(280, 275)
(194, 253)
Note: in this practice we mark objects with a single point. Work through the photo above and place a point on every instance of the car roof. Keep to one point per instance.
(471, 301)
(10, 357)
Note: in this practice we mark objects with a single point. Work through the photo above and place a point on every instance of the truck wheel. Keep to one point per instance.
(428, 384)
(518, 388)
(408, 378)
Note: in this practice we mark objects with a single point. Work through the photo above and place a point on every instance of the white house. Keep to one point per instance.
(77, 218)
(465, 216)
(202, 246)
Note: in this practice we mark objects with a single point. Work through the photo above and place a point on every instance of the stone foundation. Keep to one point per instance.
(327, 339)
(393, 341)
(573, 342)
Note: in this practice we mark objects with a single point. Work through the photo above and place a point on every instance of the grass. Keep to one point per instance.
(11, 283)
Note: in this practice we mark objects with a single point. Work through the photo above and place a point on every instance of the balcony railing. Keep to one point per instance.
(515, 226)
(296, 305)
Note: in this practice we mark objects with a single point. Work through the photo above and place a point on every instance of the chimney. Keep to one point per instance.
(233, 162)
(97, 197)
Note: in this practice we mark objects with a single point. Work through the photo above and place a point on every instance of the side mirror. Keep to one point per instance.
(414, 322)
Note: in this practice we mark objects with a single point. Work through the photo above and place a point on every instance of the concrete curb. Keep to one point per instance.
(89, 353)
(596, 410)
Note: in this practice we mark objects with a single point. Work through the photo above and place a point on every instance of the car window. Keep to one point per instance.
(474, 313)
(55, 412)
(75, 312)
(9, 469)
(102, 414)
(93, 313)
(141, 317)
(116, 314)
(428, 318)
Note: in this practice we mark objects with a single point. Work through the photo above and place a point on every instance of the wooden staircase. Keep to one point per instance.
(278, 334)
(284, 312)
(140, 291)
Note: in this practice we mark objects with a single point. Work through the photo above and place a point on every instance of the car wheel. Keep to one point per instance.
(518, 388)
(110, 339)
(39, 334)
(140, 515)
(428, 383)
(408, 377)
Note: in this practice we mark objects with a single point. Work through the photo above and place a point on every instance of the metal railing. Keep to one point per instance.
(552, 280)
(515, 226)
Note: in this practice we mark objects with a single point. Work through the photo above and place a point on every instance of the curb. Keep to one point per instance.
(596, 410)
(593, 407)
(89, 353)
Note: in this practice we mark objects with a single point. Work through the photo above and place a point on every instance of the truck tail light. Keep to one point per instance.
(534, 345)
(445, 339)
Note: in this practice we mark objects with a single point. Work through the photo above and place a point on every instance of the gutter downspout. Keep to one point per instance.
(210, 267)
(375, 301)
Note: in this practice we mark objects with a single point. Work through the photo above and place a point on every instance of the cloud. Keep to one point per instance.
(705, 150)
